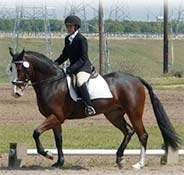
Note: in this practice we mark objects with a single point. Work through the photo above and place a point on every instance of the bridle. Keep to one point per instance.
(27, 79)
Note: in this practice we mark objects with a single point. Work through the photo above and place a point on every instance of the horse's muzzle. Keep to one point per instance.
(17, 92)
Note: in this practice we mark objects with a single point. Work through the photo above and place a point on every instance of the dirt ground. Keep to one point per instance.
(152, 167)
(25, 111)
(95, 171)
(38, 165)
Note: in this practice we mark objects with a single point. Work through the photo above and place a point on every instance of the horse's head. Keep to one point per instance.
(20, 68)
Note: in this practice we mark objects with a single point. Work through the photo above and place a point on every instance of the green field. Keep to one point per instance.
(137, 56)
(80, 137)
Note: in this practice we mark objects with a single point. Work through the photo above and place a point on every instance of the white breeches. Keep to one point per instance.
(82, 77)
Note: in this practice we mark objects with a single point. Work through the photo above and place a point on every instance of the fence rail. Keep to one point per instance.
(104, 152)
(41, 35)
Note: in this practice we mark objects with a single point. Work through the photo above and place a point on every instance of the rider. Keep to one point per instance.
(76, 49)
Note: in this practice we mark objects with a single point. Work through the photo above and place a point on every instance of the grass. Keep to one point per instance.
(139, 57)
(79, 137)
(166, 81)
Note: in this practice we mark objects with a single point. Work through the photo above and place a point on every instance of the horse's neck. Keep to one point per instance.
(42, 70)
(42, 76)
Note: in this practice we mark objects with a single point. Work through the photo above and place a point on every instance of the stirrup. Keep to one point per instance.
(89, 111)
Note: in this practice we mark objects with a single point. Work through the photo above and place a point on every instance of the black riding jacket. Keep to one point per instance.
(77, 52)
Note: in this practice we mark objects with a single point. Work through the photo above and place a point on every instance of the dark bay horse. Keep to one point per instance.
(54, 102)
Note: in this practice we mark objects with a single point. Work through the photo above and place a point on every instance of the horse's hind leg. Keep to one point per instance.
(49, 123)
(136, 120)
(117, 119)
(143, 137)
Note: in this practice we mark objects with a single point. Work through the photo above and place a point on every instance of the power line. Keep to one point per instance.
(32, 13)
(119, 10)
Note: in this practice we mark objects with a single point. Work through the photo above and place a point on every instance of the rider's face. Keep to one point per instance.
(70, 28)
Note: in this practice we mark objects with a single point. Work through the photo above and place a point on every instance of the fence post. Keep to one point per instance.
(17, 155)
(170, 158)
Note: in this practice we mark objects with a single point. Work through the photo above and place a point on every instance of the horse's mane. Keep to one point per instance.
(41, 56)
(43, 59)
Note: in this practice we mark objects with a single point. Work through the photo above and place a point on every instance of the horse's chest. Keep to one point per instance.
(43, 104)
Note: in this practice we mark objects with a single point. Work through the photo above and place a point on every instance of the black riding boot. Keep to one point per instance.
(89, 109)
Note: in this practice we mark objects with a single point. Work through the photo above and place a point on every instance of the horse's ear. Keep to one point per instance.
(22, 54)
(11, 51)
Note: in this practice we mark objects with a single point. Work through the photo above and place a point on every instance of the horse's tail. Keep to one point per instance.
(168, 133)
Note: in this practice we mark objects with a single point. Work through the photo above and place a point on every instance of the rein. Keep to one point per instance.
(48, 80)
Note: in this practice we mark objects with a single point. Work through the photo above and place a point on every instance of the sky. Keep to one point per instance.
(134, 9)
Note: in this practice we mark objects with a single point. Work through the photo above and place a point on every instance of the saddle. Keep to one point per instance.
(96, 84)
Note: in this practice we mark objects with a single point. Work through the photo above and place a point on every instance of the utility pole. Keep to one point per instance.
(47, 32)
(101, 30)
(165, 49)
(17, 28)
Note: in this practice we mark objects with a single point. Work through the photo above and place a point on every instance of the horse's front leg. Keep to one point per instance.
(58, 139)
(49, 123)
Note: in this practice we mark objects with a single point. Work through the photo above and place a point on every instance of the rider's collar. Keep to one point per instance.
(72, 36)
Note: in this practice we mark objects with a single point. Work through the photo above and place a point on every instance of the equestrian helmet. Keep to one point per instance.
(73, 20)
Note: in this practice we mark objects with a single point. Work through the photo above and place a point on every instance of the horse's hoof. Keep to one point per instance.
(58, 164)
(138, 166)
(49, 155)
(120, 161)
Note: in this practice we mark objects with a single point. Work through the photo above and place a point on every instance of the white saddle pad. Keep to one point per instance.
(97, 88)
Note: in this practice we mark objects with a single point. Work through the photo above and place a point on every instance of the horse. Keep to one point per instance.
(54, 102)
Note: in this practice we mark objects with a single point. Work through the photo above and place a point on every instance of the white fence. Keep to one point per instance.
(104, 152)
